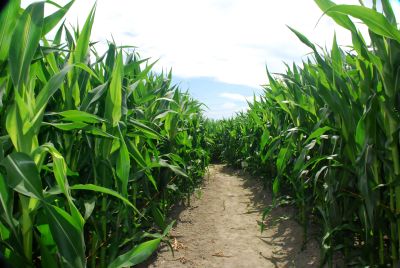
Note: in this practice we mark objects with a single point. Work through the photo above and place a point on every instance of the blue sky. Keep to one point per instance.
(218, 49)
(222, 99)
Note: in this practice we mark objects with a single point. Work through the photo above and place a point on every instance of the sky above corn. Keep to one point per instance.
(218, 49)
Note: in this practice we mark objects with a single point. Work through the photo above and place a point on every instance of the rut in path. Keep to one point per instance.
(220, 229)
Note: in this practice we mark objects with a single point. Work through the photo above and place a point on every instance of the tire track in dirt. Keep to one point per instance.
(219, 229)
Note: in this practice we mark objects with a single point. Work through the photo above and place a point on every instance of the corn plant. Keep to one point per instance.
(326, 134)
(94, 148)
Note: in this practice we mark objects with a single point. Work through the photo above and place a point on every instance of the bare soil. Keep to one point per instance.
(220, 228)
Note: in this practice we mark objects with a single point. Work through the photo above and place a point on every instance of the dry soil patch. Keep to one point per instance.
(219, 229)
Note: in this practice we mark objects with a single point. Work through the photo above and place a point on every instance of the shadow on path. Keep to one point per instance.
(281, 228)
(221, 229)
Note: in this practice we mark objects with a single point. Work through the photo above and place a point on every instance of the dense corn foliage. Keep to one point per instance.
(326, 134)
(94, 148)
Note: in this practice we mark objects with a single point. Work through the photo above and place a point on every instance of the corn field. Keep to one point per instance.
(94, 148)
(325, 136)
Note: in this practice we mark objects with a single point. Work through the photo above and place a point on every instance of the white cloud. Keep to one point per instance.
(226, 110)
(237, 103)
(237, 97)
(228, 40)
(230, 105)
(234, 96)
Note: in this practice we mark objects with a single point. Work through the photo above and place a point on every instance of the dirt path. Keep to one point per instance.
(220, 229)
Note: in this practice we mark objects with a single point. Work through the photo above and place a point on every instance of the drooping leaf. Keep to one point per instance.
(145, 129)
(136, 255)
(100, 189)
(68, 235)
(375, 21)
(340, 19)
(23, 175)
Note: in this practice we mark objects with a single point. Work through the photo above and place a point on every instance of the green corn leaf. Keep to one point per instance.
(8, 19)
(168, 228)
(67, 126)
(361, 133)
(336, 56)
(134, 152)
(281, 161)
(114, 95)
(388, 10)
(303, 39)
(6, 198)
(49, 89)
(164, 115)
(57, 37)
(264, 139)
(151, 133)
(93, 96)
(60, 174)
(89, 207)
(176, 169)
(14, 128)
(23, 175)
(59, 168)
(100, 189)
(80, 116)
(340, 19)
(79, 55)
(145, 72)
(25, 41)
(275, 186)
(82, 44)
(159, 217)
(110, 61)
(136, 255)
(317, 133)
(98, 132)
(123, 165)
(52, 20)
(375, 21)
(2, 94)
(152, 180)
(68, 235)
(88, 70)
(47, 244)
